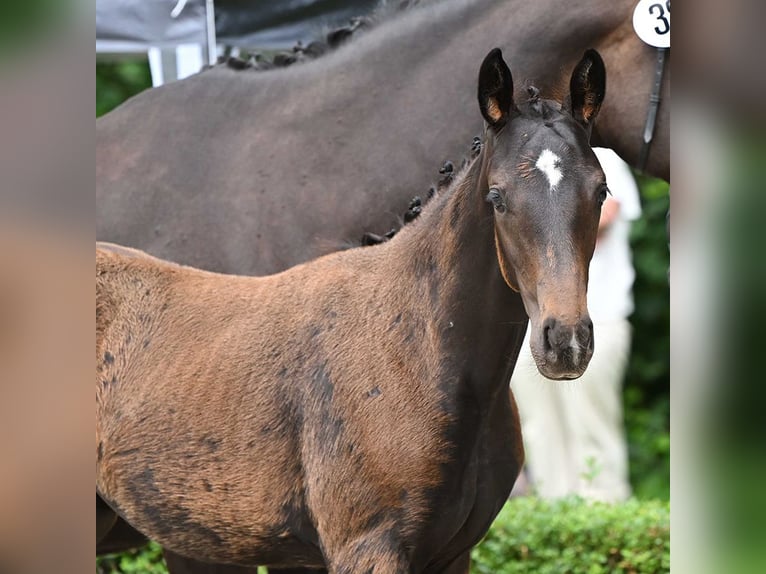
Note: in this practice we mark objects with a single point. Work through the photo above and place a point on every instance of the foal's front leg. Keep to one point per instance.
(362, 538)
(370, 555)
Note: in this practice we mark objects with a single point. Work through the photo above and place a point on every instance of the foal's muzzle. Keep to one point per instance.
(563, 351)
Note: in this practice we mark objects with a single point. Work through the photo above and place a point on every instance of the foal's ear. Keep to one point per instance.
(587, 89)
(495, 90)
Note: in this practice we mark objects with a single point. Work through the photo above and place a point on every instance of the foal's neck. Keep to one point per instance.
(453, 281)
(457, 233)
(451, 248)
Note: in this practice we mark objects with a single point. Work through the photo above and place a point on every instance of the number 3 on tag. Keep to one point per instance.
(651, 21)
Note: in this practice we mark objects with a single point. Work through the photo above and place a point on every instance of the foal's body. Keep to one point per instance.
(354, 412)
(442, 382)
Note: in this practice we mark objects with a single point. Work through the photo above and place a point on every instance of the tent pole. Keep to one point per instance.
(212, 50)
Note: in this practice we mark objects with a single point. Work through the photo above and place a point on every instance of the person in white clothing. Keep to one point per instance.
(573, 432)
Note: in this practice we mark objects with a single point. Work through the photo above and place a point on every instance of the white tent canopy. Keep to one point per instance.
(177, 35)
(180, 36)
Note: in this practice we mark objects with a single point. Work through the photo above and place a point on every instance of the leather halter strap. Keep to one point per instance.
(651, 113)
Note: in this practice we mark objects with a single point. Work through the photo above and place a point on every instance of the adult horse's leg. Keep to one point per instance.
(113, 534)
(297, 571)
(121, 537)
(105, 519)
(181, 565)
(460, 565)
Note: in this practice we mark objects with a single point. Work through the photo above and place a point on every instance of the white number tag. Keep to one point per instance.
(651, 21)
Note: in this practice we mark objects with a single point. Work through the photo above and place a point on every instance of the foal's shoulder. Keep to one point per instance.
(123, 276)
(114, 257)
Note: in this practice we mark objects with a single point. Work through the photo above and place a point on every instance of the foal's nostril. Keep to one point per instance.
(546, 342)
(585, 333)
(549, 334)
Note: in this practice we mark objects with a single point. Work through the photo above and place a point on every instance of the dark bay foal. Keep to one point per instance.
(353, 412)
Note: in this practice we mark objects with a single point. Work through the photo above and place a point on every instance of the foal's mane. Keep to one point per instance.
(330, 40)
(442, 198)
(452, 178)
(448, 177)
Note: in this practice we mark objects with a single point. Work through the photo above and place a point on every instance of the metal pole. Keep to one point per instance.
(212, 48)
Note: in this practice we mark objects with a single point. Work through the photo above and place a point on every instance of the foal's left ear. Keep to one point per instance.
(587, 89)
(496, 90)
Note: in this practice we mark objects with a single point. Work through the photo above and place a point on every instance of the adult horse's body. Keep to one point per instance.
(252, 172)
(353, 411)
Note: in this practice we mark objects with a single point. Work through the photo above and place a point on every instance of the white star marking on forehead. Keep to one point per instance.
(548, 163)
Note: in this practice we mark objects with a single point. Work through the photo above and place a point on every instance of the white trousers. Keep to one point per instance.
(573, 431)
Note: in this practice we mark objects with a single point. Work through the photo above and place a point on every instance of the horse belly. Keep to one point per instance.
(228, 497)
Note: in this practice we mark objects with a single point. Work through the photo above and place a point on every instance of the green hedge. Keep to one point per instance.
(647, 381)
(118, 81)
(531, 535)
(147, 560)
(574, 536)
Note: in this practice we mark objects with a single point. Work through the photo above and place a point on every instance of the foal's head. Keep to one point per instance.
(546, 187)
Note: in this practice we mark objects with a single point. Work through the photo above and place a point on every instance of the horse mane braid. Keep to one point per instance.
(534, 99)
(299, 53)
(448, 173)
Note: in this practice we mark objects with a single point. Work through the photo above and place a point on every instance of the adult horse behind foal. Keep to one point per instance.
(353, 412)
(252, 172)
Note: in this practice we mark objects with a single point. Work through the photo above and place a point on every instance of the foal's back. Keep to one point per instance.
(251, 380)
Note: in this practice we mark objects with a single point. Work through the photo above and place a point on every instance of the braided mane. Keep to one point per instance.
(266, 60)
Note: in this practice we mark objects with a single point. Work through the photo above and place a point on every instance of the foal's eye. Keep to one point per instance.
(496, 199)
(603, 192)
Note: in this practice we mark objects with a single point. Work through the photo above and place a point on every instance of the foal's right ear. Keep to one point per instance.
(496, 90)
(587, 89)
